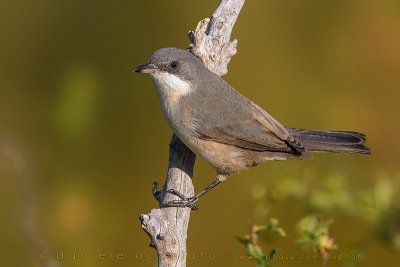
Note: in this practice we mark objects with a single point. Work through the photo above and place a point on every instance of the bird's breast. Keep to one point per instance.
(173, 93)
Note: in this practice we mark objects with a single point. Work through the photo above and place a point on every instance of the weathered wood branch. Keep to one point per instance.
(167, 227)
(211, 39)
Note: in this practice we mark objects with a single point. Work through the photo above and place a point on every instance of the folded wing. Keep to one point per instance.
(239, 122)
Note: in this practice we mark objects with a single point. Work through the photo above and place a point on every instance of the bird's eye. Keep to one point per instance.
(173, 64)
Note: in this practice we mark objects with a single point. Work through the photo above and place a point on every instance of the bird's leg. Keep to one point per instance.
(189, 201)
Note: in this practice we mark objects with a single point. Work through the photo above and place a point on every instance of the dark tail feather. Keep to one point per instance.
(331, 141)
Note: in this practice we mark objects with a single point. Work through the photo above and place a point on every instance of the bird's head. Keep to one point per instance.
(172, 70)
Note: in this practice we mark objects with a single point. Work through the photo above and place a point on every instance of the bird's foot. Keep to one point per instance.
(184, 202)
(189, 201)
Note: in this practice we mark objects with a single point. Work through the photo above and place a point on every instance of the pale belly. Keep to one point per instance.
(224, 158)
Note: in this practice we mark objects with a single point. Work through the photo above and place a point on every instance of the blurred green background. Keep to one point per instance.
(82, 138)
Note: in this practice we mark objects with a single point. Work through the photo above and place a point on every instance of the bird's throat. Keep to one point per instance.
(170, 85)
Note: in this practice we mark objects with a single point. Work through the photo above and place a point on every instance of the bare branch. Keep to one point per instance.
(167, 227)
(211, 39)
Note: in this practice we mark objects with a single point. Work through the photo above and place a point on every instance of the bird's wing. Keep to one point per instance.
(242, 123)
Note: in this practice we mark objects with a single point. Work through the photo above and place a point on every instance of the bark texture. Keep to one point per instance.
(167, 226)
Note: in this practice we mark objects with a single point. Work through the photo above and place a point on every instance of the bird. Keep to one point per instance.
(229, 131)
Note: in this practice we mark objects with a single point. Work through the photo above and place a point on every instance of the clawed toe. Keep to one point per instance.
(177, 193)
(187, 203)
(184, 202)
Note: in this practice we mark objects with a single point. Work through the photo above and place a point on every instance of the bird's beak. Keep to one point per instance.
(146, 68)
